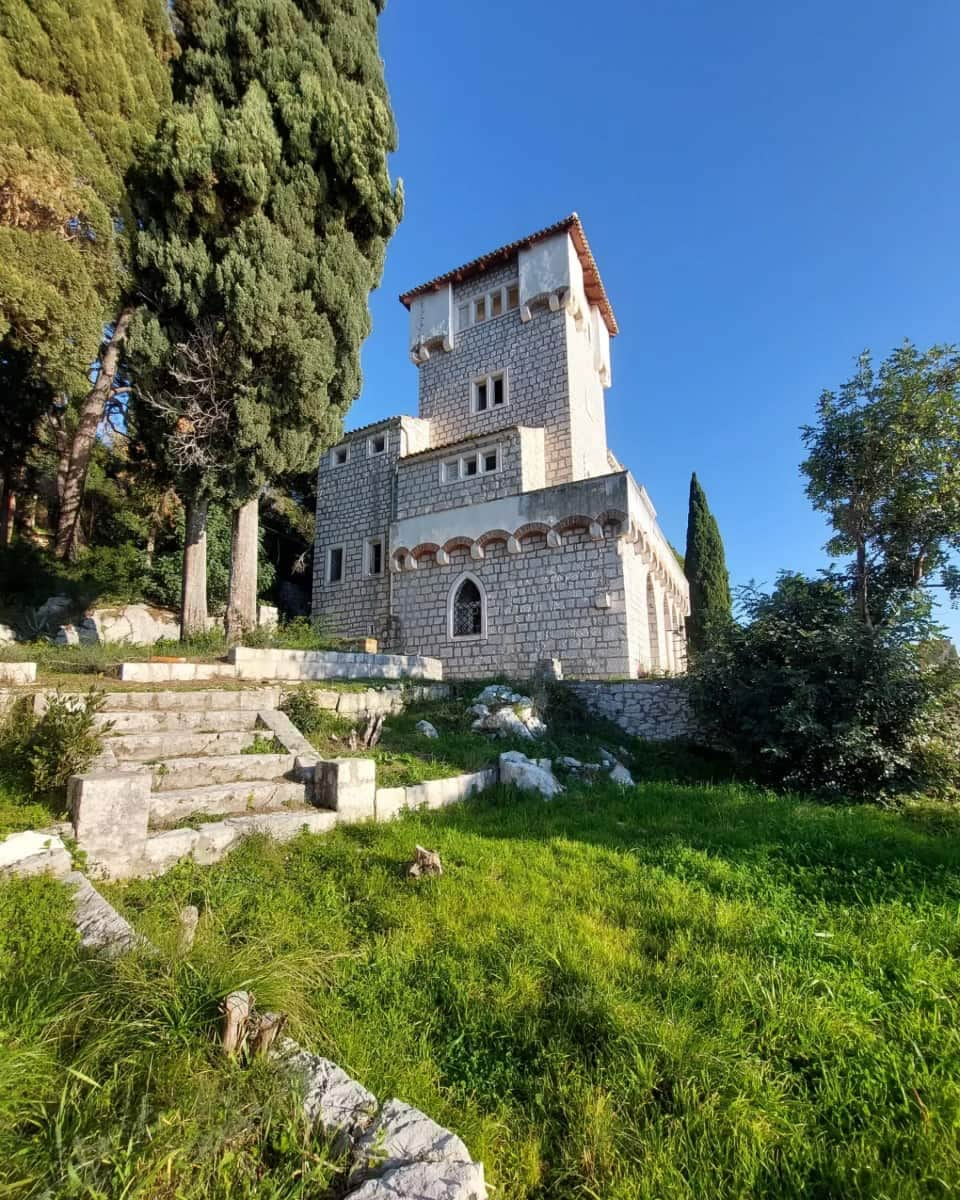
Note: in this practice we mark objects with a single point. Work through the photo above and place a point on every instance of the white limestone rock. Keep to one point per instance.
(572, 764)
(6, 634)
(33, 853)
(426, 1181)
(428, 730)
(100, 925)
(528, 775)
(478, 710)
(400, 1136)
(505, 723)
(333, 1100)
(620, 774)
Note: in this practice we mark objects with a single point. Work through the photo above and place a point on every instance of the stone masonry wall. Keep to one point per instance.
(421, 487)
(534, 355)
(355, 502)
(565, 603)
(656, 710)
(588, 426)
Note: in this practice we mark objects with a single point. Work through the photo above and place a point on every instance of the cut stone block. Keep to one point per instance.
(18, 672)
(346, 785)
(287, 734)
(33, 853)
(109, 812)
(147, 747)
(331, 1099)
(178, 720)
(101, 926)
(241, 797)
(174, 774)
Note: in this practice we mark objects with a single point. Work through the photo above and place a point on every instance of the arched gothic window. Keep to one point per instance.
(467, 609)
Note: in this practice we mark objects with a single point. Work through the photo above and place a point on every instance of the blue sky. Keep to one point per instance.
(768, 189)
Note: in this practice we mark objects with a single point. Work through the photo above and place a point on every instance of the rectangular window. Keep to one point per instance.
(335, 564)
(340, 455)
(480, 396)
(498, 393)
(374, 563)
(490, 391)
(377, 444)
(479, 310)
(451, 470)
(496, 303)
(492, 304)
(513, 296)
(463, 316)
(468, 465)
(491, 460)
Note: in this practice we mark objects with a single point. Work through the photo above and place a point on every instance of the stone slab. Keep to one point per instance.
(331, 664)
(348, 786)
(18, 672)
(426, 1181)
(101, 926)
(402, 1135)
(109, 811)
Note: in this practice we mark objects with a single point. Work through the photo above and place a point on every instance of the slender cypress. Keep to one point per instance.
(706, 570)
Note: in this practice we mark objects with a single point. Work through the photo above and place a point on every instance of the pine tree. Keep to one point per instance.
(706, 570)
(271, 206)
(82, 86)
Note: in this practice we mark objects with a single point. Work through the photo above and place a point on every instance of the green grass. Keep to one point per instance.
(681, 990)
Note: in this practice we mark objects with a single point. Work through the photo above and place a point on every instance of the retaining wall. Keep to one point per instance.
(658, 710)
(295, 666)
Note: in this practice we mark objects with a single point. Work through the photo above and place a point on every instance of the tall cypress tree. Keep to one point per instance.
(706, 569)
(270, 206)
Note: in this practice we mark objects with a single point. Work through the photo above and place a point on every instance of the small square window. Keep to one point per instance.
(451, 470)
(335, 564)
(496, 304)
(491, 460)
(513, 296)
(480, 309)
(469, 465)
(377, 444)
(374, 564)
(340, 455)
(463, 316)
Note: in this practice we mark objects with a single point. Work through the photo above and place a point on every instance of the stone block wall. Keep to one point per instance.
(658, 710)
(421, 487)
(354, 503)
(544, 602)
(533, 354)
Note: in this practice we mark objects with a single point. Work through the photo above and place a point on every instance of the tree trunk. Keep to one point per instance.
(242, 597)
(863, 600)
(8, 509)
(193, 598)
(91, 414)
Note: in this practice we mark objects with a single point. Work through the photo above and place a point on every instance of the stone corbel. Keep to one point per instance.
(410, 564)
(396, 566)
(443, 558)
(476, 552)
(596, 531)
(513, 545)
(447, 342)
(525, 313)
(554, 540)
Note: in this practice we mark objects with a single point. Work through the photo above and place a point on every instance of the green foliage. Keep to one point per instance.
(804, 695)
(62, 742)
(301, 707)
(663, 992)
(705, 567)
(275, 157)
(73, 122)
(301, 633)
(882, 464)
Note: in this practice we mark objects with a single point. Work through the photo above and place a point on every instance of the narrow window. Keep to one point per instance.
(467, 611)
(513, 296)
(341, 455)
(375, 556)
(377, 444)
(491, 461)
(451, 470)
(498, 393)
(335, 564)
(480, 309)
(463, 316)
(480, 396)
(496, 303)
(468, 465)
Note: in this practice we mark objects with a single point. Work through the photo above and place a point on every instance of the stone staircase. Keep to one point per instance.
(193, 743)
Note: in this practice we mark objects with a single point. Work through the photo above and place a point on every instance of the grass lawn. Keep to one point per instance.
(675, 991)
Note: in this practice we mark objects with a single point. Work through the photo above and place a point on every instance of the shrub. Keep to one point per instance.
(64, 741)
(300, 633)
(807, 696)
(302, 709)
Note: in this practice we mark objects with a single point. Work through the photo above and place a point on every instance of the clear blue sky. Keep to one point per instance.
(768, 189)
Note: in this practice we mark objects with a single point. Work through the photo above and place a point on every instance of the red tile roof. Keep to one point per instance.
(592, 283)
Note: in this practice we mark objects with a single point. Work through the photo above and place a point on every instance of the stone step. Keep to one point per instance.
(174, 774)
(148, 747)
(218, 698)
(167, 808)
(178, 721)
(211, 840)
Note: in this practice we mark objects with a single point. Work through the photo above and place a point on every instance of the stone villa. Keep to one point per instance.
(495, 529)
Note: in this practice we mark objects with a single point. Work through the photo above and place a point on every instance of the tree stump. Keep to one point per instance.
(427, 862)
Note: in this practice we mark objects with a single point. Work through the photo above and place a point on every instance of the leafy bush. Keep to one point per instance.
(302, 709)
(62, 742)
(807, 696)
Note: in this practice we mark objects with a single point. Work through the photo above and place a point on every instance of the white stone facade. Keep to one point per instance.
(506, 535)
